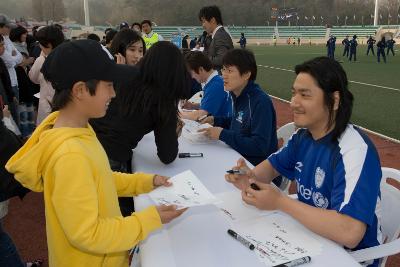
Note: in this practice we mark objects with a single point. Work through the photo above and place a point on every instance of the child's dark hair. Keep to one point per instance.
(209, 12)
(63, 97)
(331, 77)
(197, 59)
(243, 60)
(50, 35)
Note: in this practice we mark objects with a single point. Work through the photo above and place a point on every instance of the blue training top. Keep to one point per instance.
(342, 175)
(251, 130)
(215, 100)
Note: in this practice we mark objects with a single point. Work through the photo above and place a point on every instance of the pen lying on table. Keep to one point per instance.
(296, 262)
(190, 155)
(241, 239)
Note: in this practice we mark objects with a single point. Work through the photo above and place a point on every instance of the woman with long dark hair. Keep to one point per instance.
(149, 102)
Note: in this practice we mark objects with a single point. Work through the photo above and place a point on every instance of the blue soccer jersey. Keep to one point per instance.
(216, 101)
(342, 175)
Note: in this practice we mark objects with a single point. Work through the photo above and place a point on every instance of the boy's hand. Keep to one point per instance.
(241, 181)
(209, 120)
(267, 198)
(213, 132)
(168, 213)
(159, 180)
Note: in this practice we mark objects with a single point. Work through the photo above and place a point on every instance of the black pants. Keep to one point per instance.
(390, 49)
(126, 204)
(381, 51)
(372, 50)
(346, 52)
(353, 53)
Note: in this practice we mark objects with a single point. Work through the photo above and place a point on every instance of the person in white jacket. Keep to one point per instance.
(49, 37)
(12, 58)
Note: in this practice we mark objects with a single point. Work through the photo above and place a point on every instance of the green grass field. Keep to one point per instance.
(375, 108)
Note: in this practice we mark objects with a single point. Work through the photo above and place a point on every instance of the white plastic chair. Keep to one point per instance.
(284, 133)
(390, 221)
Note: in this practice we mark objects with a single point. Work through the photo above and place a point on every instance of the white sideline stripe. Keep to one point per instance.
(368, 84)
(365, 129)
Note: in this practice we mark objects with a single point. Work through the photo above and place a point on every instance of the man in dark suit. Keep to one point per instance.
(211, 20)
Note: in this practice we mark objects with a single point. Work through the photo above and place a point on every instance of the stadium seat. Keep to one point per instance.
(284, 133)
(390, 221)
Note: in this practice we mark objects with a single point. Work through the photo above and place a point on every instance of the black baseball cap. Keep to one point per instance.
(83, 60)
(123, 24)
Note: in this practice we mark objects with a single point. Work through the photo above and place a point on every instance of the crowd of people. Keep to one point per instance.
(97, 101)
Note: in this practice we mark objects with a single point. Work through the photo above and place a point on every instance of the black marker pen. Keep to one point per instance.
(241, 239)
(190, 155)
(255, 186)
(236, 171)
(202, 117)
(296, 262)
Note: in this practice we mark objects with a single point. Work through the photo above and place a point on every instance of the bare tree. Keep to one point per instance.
(37, 9)
(49, 9)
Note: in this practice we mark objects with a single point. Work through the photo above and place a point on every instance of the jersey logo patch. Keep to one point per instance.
(319, 177)
(298, 166)
(239, 117)
(320, 201)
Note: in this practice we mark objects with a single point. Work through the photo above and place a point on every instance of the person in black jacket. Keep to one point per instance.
(381, 49)
(353, 48)
(346, 43)
(9, 187)
(9, 144)
(149, 102)
(370, 44)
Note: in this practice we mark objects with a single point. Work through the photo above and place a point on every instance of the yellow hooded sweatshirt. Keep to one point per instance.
(83, 221)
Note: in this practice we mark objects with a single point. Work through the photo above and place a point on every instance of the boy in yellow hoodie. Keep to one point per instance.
(64, 159)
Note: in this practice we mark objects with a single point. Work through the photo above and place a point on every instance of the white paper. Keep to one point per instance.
(191, 132)
(201, 49)
(233, 207)
(279, 239)
(197, 97)
(37, 95)
(186, 191)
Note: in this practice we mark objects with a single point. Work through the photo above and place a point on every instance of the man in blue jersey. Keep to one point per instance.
(215, 101)
(251, 129)
(335, 165)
